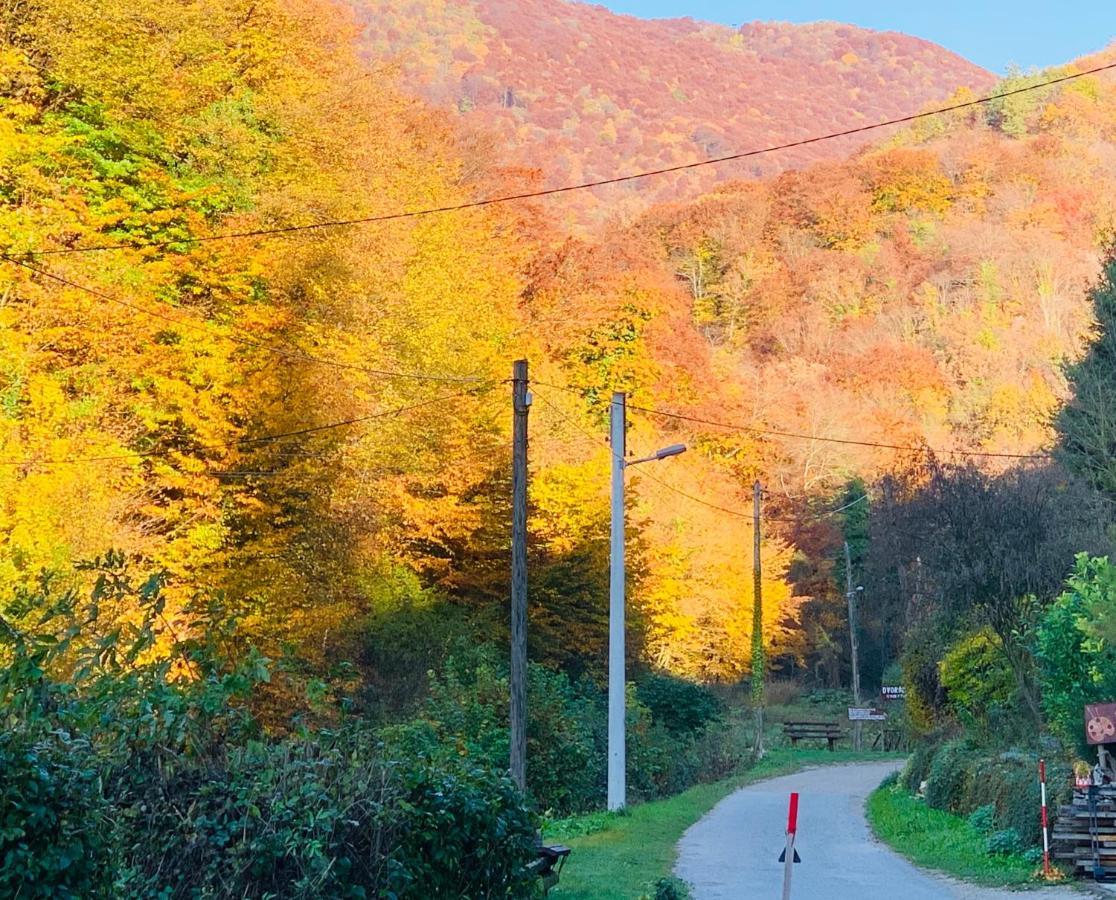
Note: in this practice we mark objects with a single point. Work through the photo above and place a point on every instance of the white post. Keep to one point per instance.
(792, 832)
(1046, 870)
(617, 786)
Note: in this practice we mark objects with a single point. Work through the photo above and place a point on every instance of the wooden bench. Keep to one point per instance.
(548, 865)
(830, 732)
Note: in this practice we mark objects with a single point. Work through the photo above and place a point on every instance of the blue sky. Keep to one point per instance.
(992, 33)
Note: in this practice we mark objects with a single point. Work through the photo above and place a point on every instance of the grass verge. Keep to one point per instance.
(940, 840)
(620, 857)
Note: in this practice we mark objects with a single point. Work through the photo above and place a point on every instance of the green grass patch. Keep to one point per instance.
(621, 856)
(940, 840)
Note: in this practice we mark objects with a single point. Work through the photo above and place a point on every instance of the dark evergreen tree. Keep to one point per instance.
(1087, 424)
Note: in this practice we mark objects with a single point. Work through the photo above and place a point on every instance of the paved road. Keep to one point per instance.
(732, 853)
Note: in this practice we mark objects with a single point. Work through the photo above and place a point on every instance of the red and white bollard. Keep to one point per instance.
(789, 855)
(1045, 821)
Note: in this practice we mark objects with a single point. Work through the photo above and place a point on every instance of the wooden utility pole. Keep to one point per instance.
(759, 663)
(850, 594)
(521, 403)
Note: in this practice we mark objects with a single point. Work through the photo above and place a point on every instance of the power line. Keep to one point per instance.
(581, 186)
(670, 487)
(770, 432)
(299, 355)
(832, 440)
(270, 438)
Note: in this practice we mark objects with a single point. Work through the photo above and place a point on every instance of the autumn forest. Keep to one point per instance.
(255, 468)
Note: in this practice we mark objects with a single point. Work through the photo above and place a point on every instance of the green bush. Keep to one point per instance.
(917, 769)
(1075, 648)
(464, 834)
(1005, 842)
(983, 818)
(997, 791)
(681, 707)
(466, 717)
(52, 819)
(567, 732)
(122, 779)
(976, 676)
(1009, 781)
(949, 780)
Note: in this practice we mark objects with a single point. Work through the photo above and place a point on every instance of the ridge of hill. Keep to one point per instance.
(579, 93)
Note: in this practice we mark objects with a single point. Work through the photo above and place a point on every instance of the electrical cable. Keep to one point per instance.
(282, 435)
(581, 186)
(751, 429)
(298, 355)
(832, 440)
(732, 512)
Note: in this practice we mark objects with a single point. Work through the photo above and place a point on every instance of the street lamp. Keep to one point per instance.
(617, 753)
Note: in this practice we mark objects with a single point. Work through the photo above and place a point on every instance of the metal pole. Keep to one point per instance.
(1045, 821)
(759, 662)
(788, 859)
(518, 714)
(617, 787)
(850, 595)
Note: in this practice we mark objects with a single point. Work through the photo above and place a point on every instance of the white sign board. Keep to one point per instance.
(866, 714)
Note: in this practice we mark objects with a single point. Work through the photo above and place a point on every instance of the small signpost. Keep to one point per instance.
(893, 692)
(866, 714)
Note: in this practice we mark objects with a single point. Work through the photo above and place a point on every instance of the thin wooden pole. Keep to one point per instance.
(759, 662)
(518, 679)
(850, 595)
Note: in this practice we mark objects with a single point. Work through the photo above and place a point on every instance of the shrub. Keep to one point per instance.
(123, 779)
(983, 818)
(997, 791)
(721, 750)
(1009, 781)
(567, 737)
(52, 819)
(917, 768)
(950, 777)
(829, 698)
(464, 834)
(466, 718)
(976, 676)
(919, 665)
(409, 634)
(1004, 842)
(1077, 658)
(680, 706)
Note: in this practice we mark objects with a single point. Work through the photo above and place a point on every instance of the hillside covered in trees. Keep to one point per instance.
(275, 417)
(928, 292)
(575, 93)
(255, 473)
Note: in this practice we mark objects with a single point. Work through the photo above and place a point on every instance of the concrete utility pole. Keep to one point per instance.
(617, 750)
(759, 661)
(850, 595)
(521, 404)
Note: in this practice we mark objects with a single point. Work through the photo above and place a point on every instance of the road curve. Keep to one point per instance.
(733, 852)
